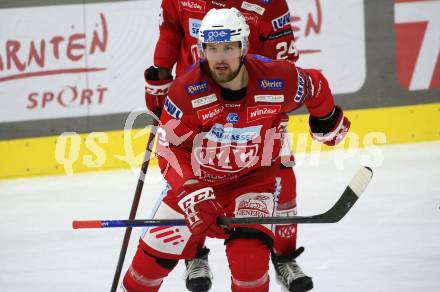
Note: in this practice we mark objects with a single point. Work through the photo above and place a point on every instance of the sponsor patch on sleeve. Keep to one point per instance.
(172, 109)
(280, 34)
(301, 90)
(281, 21)
(194, 25)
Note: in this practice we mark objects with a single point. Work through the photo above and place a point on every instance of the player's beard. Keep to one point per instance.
(223, 73)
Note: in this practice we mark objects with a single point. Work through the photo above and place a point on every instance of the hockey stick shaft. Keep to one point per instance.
(348, 198)
(134, 207)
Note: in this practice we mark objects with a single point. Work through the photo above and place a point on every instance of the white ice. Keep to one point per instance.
(390, 240)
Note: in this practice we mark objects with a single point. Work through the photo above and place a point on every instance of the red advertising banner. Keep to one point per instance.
(417, 25)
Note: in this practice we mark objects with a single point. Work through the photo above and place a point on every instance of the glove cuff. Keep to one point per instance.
(159, 87)
(325, 137)
(327, 128)
(195, 197)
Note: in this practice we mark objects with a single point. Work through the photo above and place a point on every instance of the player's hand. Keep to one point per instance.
(201, 210)
(331, 129)
(157, 85)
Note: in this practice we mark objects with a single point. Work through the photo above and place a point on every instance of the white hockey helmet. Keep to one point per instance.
(224, 25)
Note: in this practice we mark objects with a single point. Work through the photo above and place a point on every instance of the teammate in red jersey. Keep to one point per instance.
(269, 21)
(270, 35)
(219, 150)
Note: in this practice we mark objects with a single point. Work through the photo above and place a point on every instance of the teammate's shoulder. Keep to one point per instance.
(267, 65)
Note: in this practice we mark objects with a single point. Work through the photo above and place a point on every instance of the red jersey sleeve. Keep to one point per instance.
(175, 141)
(170, 35)
(320, 101)
(311, 89)
(276, 37)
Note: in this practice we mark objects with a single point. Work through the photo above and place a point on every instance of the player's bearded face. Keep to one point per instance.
(223, 60)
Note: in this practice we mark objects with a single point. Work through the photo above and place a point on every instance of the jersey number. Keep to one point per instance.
(284, 50)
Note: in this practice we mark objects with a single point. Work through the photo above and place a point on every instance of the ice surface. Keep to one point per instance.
(390, 240)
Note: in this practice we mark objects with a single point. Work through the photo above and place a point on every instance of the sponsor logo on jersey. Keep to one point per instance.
(280, 34)
(261, 58)
(254, 205)
(269, 98)
(232, 105)
(204, 100)
(253, 7)
(209, 113)
(219, 133)
(273, 84)
(281, 21)
(217, 35)
(250, 17)
(194, 25)
(209, 177)
(301, 88)
(172, 109)
(225, 158)
(232, 118)
(286, 231)
(193, 5)
(218, 3)
(197, 87)
(262, 111)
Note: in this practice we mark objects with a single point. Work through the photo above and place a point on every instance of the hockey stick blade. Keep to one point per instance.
(348, 198)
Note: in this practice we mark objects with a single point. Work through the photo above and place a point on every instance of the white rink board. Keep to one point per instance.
(331, 37)
(132, 31)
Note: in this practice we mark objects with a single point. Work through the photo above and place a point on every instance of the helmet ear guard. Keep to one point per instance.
(223, 25)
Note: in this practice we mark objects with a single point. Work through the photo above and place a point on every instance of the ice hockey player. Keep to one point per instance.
(270, 35)
(219, 150)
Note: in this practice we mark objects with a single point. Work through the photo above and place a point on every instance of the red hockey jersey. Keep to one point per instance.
(269, 21)
(217, 141)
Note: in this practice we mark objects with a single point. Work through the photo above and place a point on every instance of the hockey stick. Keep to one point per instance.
(134, 206)
(350, 195)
